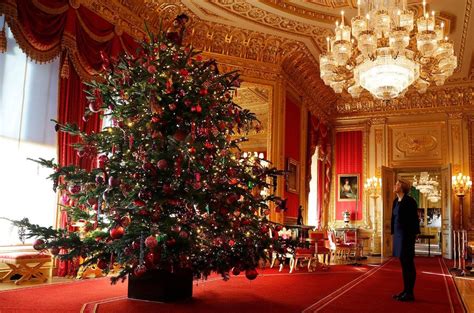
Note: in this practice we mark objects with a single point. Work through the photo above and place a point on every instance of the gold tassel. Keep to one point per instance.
(3, 40)
(65, 68)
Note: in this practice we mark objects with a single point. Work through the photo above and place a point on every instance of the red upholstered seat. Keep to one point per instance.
(23, 255)
(309, 251)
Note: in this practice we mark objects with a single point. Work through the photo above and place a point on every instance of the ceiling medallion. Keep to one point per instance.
(384, 51)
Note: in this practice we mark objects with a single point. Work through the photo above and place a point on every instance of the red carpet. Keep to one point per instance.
(270, 292)
(341, 289)
(435, 291)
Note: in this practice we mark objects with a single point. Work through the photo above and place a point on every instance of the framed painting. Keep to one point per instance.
(292, 176)
(348, 187)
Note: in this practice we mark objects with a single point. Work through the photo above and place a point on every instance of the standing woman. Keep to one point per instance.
(405, 228)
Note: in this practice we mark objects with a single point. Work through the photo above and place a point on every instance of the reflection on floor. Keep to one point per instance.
(422, 249)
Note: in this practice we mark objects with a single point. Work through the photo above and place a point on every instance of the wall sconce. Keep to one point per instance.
(373, 186)
(461, 185)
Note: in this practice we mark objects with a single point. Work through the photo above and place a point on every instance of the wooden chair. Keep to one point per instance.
(26, 264)
(321, 248)
(317, 246)
(339, 250)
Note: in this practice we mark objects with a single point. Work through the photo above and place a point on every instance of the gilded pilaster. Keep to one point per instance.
(457, 149)
(277, 156)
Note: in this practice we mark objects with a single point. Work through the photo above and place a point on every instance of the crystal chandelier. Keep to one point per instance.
(425, 184)
(385, 52)
(434, 196)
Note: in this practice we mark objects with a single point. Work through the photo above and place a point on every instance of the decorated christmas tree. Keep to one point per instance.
(171, 188)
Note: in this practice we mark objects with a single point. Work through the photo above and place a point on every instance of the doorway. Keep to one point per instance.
(431, 188)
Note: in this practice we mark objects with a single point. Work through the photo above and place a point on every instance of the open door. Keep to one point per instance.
(446, 213)
(388, 179)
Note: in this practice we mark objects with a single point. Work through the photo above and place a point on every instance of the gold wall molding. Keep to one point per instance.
(446, 99)
(417, 144)
(470, 128)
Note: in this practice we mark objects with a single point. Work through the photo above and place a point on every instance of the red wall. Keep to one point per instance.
(292, 150)
(349, 161)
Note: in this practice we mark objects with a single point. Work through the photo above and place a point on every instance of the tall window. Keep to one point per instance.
(28, 100)
(313, 212)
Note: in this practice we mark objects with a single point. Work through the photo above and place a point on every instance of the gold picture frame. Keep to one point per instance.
(292, 176)
(348, 187)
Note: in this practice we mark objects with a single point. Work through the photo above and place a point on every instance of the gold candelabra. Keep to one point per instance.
(373, 186)
(461, 185)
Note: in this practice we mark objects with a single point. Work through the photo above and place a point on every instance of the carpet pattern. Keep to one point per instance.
(342, 288)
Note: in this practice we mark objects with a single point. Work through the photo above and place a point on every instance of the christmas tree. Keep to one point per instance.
(171, 189)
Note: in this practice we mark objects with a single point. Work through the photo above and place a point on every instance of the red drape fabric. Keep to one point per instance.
(45, 29)
(349, 163)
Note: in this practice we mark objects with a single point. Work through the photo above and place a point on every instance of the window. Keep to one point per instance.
(28, 100)
(313, 211)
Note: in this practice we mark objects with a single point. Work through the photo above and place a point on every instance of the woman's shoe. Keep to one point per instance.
(406, 297)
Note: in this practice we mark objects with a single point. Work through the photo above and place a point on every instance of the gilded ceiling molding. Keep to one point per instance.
(245, 68)
(434, 100)
(465, 28)
(119, 15)
(248, 11)
(292, 8)
(378, 121)
(301, 70)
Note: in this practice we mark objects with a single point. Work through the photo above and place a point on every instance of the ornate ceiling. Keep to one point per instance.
(289, 35)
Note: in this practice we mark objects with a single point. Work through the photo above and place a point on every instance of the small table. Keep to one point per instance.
(429, 237)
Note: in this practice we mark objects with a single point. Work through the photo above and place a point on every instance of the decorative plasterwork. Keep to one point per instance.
(118, 14)
(465, 28)
(417, 144)
(246, 10)
(434, 100)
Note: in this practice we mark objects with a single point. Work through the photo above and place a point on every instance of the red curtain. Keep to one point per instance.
(45, 29)
(349, 164)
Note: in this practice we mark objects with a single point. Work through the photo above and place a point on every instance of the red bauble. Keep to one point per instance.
(236, 271)
(125, 221)
(38, 244)
(172, 106)
(54, 250)
(139, 203)
(74, 189)
(203, 92)
(151, 242)
(251, 274)
(139, 270)
(179, 135)
(171, 242)
(162, 164)
(114, 181)
(92, 201)
(117, 232)
(167, 189)
(102, 264)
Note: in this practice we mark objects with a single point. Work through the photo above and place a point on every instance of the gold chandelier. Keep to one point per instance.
(384, 53)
